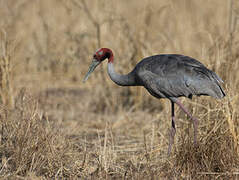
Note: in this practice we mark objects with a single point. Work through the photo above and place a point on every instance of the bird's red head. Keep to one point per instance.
(99, 56)
(103, 53)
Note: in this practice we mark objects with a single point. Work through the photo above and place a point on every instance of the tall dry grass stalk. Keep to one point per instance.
(6, 51)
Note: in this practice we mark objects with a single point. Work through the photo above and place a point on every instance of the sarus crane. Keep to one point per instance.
(166, 76)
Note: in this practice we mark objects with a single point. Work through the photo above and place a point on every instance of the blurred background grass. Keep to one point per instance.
(53, 125)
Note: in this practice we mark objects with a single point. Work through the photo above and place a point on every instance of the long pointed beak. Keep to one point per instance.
(92, 67)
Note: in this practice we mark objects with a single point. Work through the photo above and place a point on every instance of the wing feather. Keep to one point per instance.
(178, 75)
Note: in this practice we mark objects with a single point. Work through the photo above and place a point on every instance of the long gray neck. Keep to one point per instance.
(121, 80)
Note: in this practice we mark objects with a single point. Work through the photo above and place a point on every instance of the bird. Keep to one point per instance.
(166, 76)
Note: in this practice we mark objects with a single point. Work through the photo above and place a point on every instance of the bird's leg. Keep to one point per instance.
(195, 120)
(173, 130)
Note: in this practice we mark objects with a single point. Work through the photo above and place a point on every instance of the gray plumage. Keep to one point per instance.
(173, 75)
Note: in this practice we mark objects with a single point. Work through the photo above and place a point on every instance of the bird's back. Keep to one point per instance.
(173, 75)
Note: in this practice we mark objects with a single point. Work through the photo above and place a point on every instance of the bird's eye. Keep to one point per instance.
(95, 57)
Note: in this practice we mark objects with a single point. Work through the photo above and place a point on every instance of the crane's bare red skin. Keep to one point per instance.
(104, 53)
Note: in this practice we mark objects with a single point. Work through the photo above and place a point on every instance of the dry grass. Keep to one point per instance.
(53, 126)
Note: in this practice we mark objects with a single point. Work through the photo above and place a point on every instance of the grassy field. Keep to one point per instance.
(54, 126)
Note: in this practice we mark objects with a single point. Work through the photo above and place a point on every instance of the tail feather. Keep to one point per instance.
(222, 92)
(216, 77)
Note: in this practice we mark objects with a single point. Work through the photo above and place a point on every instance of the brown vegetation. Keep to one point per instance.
(54, 126)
